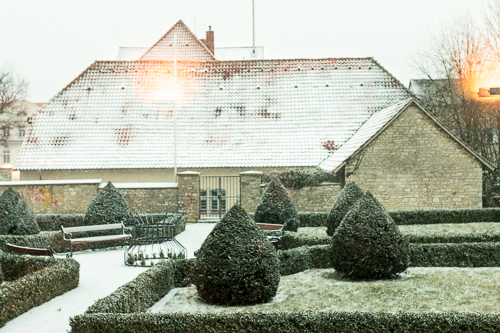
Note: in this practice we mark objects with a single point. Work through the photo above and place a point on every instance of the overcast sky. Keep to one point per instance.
(50, 43)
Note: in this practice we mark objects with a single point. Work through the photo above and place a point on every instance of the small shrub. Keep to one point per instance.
(342, 204)
(236, 265)
(108, 207)
(16, 218)
(299, 178)
(276, 207)
(368, 244)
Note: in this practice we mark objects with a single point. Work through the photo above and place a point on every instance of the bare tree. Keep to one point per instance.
(13, 91)
(455, 59)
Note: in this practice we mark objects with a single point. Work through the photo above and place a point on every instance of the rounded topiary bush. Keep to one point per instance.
(16, 218)
(276, 207)
(368, 244)
(237, 264)
(108, 207)
(342, 204)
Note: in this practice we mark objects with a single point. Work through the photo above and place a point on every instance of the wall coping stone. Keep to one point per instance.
(192, 173)
(142, 185)
(256, 173)
(322, 184)
(50, 182)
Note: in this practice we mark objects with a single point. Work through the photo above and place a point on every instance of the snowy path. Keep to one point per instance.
(101, 273)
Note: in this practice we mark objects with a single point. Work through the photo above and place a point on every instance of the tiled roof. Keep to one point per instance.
(189, 48)
(131, 53)
(239, 53)
(262, 113)
(369, 129)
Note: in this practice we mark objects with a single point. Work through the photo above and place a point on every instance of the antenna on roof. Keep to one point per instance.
(253, 27)
(175, 108)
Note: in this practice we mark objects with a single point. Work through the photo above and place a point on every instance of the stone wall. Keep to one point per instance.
(151, 200)
(189, 195)
(49, 197)
(250, 190)
(315, 198)
(414, 164)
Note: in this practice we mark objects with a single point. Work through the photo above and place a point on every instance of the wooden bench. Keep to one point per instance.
(276, 240)
(30, 250)
(68, 232)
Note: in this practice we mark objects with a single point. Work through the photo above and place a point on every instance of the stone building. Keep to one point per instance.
(176, 105)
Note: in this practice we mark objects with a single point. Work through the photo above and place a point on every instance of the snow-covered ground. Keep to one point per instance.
(101, 273)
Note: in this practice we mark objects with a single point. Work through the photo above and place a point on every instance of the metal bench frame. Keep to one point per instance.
(68, 232)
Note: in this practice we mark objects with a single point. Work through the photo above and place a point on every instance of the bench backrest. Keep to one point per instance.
(30, 250)
(269, 226)
(92, 228)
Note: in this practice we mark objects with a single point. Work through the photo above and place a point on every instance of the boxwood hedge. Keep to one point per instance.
(33, 281)
(276, 207)
(406, 217)
(297, 239)
(286, 322)
(16, 218)
(236, 264)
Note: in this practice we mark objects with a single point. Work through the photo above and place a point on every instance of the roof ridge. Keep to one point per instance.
(392, 76)
(169, 31)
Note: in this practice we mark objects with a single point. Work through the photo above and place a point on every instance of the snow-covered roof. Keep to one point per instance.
(372, 126)
(261, 113)
(239, 53)
(189, 48)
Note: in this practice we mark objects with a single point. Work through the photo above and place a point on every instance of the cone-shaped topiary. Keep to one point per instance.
(342, 204)
(237, 264)
(276, 207)
(108, 207)
(368, 244)
(16, 218)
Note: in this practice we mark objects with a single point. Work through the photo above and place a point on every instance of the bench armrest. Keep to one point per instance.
(64, 234)
(124, 228)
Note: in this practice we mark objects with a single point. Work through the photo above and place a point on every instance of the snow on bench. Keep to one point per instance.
(95, 239)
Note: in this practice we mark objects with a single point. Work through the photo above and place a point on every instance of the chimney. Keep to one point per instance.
(209, 42)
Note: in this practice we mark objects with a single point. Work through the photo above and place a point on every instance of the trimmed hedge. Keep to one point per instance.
(53, 222)
(16, 218)
(287, 322)
(368, 244)
(304, 258)
(299, 178)
(407, 217)
(421, 255)
(146, 289)
(344, 202)
(446, 216)
(108, 207)
(455, 255)
(36, 280)
(293, 240)
(276, 207)
(236, 264)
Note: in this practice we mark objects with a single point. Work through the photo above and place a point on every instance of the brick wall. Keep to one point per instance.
(414, 164)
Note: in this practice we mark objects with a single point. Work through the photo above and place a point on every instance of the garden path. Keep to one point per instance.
(101, 273)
